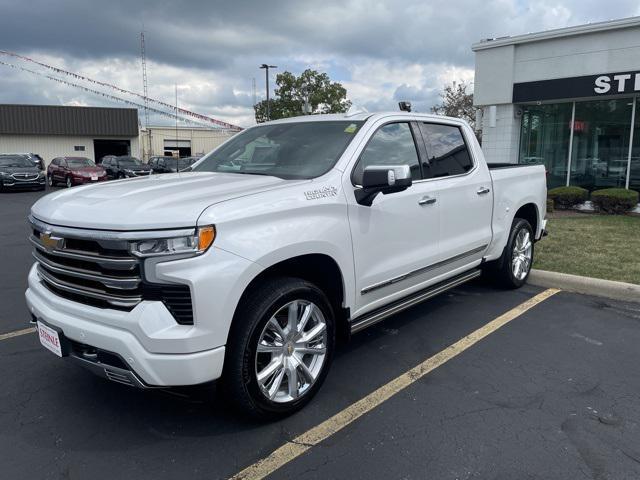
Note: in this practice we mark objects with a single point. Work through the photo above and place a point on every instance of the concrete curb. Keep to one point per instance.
(628, 292)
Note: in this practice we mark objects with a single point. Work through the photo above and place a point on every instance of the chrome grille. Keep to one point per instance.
(113, 279)
(25, 176)
(100, 271)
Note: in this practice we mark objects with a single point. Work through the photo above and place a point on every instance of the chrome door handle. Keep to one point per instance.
(483, 190)
(426, 200)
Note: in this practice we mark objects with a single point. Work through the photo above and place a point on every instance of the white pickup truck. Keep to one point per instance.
(291, 235)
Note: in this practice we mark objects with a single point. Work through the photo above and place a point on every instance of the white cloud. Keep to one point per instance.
(381, 50)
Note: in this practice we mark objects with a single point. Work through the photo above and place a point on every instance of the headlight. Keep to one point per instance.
(5, 174)
(193, 244)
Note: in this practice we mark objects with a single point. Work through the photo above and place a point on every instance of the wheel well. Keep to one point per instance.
(529, 212)
(322, 271)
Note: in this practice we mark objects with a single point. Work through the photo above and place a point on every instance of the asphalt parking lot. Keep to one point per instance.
(552, 394)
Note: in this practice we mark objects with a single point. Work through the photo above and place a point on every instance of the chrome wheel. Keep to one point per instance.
(69, 183)
(521, 254)
(50, 179)
(291, 351)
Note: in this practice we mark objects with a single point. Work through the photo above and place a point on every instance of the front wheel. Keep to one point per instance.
(69, 182)
(280, 348)
(517, 258)
(50, 180)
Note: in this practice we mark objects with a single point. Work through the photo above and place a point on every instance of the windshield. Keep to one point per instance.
(15, 162)
(80, 162)
(129, 161)
(285, 150)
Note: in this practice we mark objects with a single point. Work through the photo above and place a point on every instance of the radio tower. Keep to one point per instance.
(145, 92)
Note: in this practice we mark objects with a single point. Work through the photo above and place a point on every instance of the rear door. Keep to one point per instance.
(463, 187)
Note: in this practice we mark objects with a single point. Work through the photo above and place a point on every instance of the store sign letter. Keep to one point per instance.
(602, 84)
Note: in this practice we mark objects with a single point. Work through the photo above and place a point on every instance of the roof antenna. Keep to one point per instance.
(404, 106)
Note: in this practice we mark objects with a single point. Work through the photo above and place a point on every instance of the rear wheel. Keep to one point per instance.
(280, 348)
(514, 266)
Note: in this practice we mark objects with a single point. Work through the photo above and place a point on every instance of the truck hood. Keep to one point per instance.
(154, 202)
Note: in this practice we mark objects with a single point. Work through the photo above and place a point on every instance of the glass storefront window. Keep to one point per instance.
(544, 139)
(601, 143)
(634, 177)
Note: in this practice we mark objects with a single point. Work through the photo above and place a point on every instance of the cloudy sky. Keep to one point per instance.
(382, 51)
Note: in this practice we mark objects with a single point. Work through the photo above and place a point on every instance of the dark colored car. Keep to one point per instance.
(72, 171)
(124, 167)
(170, 164)
(16, 172)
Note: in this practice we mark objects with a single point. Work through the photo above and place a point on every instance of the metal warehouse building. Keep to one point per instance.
(53, 131)
(566, 98)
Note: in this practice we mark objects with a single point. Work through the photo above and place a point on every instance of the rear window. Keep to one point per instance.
(447, 151)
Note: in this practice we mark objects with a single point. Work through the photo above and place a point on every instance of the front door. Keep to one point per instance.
(396, 238)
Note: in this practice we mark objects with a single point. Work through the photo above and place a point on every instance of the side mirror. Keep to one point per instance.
(383, 179)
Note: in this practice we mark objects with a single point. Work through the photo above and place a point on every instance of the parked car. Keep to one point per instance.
(247, 268)
(18, 172)
(72, 171)
(170, 164)
(124, 167)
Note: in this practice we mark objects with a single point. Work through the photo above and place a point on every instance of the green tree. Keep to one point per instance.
(456, 102)
(312, 92)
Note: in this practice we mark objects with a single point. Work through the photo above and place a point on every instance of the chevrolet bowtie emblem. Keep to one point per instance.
(50, 242)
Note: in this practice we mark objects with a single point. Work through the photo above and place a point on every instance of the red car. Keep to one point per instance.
(74, 171)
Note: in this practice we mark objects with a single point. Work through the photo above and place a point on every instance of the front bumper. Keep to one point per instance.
(86, 180)
(125, 333)
(19, 184)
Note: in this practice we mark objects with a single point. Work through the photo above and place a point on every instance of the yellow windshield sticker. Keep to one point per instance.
(351, 128)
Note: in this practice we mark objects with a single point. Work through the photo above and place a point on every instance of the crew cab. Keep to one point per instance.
(289, 236)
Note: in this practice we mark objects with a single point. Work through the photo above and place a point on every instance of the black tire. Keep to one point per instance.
(68, 182)
(50, 181)
(239, 381)
(502, 271)
(120, 176)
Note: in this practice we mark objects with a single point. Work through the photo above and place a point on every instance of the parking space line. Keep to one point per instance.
(299, 445)
(17, 333)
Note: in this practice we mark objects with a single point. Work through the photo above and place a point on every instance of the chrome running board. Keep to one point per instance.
(380, 314)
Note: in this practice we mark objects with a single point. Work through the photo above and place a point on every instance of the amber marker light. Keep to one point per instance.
(206, 236)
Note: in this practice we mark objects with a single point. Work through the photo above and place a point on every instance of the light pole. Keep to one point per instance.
(266, 74)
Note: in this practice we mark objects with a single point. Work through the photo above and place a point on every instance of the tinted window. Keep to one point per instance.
(446, 150)
(55, 161)
(285, 150)
(128, 161)
(8, 161)
(392, 144)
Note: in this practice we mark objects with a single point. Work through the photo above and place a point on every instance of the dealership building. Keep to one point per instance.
(565, 98)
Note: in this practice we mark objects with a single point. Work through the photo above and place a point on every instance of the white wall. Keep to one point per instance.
(500, 143)
(203, 140)
(573, 56)
(52, 146)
